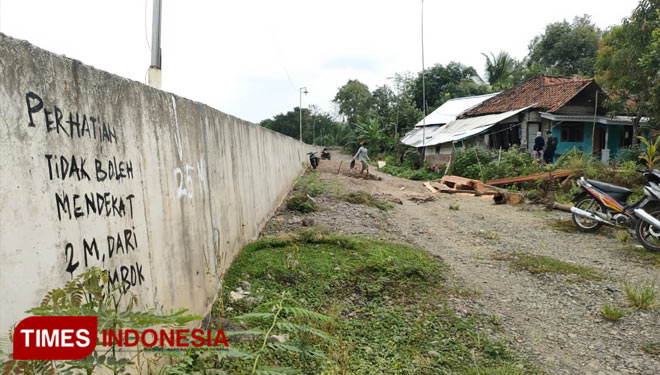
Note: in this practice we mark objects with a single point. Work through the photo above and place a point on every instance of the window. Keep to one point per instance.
(572, 132)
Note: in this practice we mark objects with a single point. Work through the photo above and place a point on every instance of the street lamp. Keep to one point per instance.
(302, 90)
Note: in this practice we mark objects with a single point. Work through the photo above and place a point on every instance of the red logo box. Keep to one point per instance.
(55, 338)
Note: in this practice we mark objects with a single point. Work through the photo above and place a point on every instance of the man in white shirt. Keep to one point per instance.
(362, 156)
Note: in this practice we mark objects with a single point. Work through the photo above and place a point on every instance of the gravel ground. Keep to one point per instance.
(554, 319)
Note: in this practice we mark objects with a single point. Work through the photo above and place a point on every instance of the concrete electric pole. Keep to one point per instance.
(154, 68)
(303, 90)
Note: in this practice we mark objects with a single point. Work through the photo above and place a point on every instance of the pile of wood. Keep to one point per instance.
(462, 185)
(456, 184)
(533, 177)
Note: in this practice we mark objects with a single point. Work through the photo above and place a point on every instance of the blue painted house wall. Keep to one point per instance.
(613, 138)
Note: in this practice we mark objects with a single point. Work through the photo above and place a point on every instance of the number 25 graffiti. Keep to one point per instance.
(184, 179)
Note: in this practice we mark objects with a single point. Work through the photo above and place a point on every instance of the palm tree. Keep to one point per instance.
(500, 69)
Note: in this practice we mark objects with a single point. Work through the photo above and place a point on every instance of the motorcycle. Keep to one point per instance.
(602, 203)
(313, 159)
(325, 154)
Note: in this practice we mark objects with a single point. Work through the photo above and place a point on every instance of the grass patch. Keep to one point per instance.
(487, 235)
(386, 300)
(454, 206)
(308, 186)
(366, 199)
(310, 183)
(301, 202)
(632, 250)
(562, 226)
(623, 236)
(612, 313)
(544, 264)
(641, 296)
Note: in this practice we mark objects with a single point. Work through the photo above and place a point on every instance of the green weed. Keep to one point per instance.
(612, 313)
(487, 235)
(623, 236)
(562, 225)
(454, 206)
(544, 264)
(641, 296)
(366, 199)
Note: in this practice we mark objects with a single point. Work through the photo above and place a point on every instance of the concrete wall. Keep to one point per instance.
(98, 170)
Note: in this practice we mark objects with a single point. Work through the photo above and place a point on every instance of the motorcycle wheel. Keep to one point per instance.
(588, 204)
(647, 234)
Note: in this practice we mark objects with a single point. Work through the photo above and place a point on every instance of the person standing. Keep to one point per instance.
(539, 143)
(362, 156)
(550, 147)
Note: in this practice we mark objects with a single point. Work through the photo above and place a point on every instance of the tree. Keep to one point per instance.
(373, 134)
(500, 70)
(628, 64)
(566, 48)
(445, 82)
(353, 101)
(289, 123)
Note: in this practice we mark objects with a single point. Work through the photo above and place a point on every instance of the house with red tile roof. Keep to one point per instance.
(571, 108)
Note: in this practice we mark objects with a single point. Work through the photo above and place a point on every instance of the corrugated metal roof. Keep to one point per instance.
(450, 109)
(455, 130)
(616, 120)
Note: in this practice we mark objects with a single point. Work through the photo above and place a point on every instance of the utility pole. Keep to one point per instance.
(302, 90)
(423, 155)
(155, 67)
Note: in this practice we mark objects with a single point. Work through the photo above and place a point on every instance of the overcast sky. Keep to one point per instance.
(249, 57)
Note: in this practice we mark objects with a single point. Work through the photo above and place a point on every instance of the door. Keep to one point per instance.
(532, 129)
(599, 140)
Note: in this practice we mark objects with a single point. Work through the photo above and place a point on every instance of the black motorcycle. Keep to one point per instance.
(325, 154)
(313, 159)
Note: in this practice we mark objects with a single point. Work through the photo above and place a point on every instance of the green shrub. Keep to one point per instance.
(482, 164)
(630, 153)
(467, 162)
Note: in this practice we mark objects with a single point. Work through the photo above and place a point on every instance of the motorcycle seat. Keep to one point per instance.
(609, 188)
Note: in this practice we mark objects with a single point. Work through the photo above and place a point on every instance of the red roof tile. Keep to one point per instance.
(542, 92)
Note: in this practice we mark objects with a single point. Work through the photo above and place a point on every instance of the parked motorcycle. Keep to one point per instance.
(325, 154)
(602, 203)
(313, 159)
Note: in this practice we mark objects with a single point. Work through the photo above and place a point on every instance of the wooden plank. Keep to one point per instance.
(513, 180)
(431, 188)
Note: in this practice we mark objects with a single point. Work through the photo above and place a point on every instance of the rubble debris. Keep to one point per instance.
(245, 285)
(366, 176)
(388, 198)
(533, 177)
(278, 338)
(308, 222)
(235, 296)
(422, 199)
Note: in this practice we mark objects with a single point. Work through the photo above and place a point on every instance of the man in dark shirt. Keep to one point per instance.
(550, 147)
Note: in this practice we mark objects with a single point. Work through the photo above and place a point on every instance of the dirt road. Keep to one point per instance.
(554, 319)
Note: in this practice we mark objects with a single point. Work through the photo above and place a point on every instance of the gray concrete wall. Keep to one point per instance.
(98, 170)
